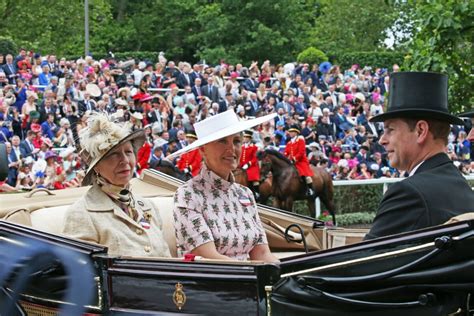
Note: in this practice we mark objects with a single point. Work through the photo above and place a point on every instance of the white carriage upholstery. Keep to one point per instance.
(51, 219)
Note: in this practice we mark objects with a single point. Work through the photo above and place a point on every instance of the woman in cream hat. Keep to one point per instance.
(109, 213)
(215, 217)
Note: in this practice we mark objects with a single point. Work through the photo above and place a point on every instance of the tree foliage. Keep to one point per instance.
(347, 25)
(7, 46)
(312, 55)
(443, 42)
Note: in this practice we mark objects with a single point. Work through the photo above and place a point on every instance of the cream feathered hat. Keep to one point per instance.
(100, 136)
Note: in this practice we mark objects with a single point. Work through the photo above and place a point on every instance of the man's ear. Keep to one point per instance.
(422, 129)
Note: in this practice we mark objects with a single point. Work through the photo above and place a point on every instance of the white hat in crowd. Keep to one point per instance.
(219, 126)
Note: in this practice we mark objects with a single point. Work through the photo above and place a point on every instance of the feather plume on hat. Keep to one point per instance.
(101, 135)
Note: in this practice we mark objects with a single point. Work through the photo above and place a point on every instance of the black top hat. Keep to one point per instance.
(418, 95)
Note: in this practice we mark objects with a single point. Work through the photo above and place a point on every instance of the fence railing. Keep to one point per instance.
(384, 181)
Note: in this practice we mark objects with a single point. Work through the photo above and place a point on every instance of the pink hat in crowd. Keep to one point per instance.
(35, 127)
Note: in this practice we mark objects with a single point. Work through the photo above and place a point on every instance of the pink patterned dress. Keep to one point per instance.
(208, 208)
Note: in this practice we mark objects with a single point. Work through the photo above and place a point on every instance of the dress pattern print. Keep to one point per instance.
(208, 208)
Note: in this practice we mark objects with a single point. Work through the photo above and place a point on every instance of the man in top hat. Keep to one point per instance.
(416, 129)
(295, 150)
(249, 162)
(191, 161)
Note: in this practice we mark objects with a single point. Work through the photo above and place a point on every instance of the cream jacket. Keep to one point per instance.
(96, 218)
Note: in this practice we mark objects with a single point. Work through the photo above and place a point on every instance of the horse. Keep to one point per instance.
(265, 187)
(287, 185)
(167, 167)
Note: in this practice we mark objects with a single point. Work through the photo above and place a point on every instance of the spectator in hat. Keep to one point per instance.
(170, 147)
(136, 120)
(416, 130)
(45, 76)
(29, 106)
(315, 155)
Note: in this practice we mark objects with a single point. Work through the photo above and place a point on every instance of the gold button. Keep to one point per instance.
(139, 231)
(147, 248)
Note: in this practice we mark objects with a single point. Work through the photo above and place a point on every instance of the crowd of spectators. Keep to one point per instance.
(45, 101)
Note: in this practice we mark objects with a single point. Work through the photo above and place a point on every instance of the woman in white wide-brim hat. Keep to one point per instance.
(215, 217)
(110, 214)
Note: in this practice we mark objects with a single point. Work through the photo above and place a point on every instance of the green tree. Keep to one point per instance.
(312, 55)
(443, 42)
(52, 26)
(347, 25)
(253, 30)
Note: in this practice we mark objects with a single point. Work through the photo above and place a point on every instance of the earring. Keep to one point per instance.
(97, 176)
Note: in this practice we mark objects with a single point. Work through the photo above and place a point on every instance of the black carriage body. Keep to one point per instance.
(138, 286)
(339, 281)
(427, 272)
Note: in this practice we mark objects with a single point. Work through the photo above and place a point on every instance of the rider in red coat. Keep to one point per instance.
(143, 155)
(190, 162)
(295, 150)
(249, 161)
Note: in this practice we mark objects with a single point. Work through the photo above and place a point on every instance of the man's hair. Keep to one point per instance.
(439, 129)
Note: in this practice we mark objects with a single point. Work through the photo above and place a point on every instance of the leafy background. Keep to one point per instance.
(435, 35)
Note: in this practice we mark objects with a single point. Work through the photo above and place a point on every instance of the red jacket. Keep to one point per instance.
(296, 151)
(191, 160)
(249, 156)
(143, 155)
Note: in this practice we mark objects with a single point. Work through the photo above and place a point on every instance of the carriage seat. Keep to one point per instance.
(51, 219)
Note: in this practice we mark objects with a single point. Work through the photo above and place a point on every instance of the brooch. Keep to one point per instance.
(245, 200)
(147, 215)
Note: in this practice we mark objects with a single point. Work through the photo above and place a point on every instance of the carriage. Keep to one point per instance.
(323, 270)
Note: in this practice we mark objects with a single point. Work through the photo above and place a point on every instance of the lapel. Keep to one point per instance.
(97, 201)
(433, 162)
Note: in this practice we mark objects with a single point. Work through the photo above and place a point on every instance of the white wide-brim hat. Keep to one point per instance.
(93, 90)
(66, 152)
(121, 102)
(219, 126)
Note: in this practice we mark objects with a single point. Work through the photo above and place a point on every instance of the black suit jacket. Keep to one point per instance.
(435, 193)
(183, 81)
(152, 117)
(214, 95)
(9, 73)
(25, 149)
(43, 113)
(194, 90)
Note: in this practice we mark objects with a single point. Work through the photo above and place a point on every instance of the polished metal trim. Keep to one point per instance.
(56, 301)
(361, 260)
(268, 290)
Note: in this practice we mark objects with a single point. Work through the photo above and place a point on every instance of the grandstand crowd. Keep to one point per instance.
(45, 101)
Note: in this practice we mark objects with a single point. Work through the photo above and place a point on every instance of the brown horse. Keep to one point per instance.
(288, 187)
(265, 188)
(167, 167)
